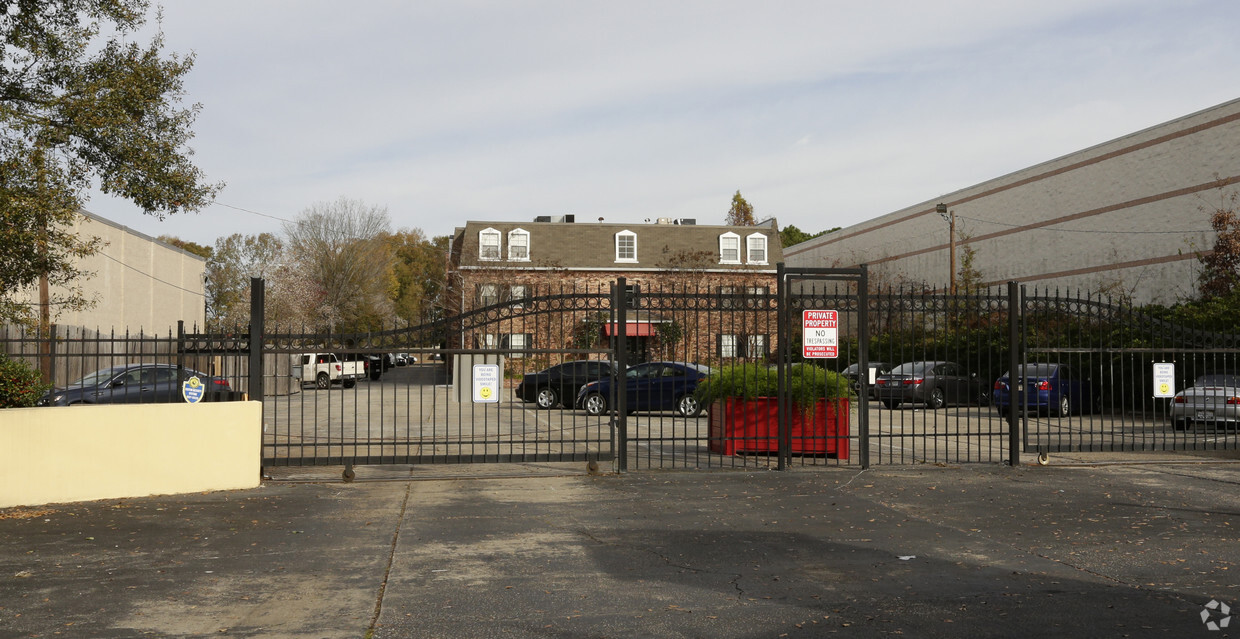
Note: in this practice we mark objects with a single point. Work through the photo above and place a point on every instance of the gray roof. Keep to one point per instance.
(591, 246)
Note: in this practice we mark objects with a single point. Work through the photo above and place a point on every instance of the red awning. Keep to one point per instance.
(631, 329)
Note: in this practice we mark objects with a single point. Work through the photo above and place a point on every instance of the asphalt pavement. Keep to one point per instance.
(545, 551)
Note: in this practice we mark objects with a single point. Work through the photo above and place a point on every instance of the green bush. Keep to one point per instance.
(20, 385)
(806, 383)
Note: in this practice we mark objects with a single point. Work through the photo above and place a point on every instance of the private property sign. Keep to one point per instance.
(821, 337)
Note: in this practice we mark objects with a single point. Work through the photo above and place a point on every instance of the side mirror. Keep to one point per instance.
(118, 383)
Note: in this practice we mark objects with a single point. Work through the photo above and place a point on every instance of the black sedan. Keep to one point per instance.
(131, 384)
(550, 387)
(935, 384)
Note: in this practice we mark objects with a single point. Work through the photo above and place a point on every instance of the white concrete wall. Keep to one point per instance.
(1126, 215)
(80, 453)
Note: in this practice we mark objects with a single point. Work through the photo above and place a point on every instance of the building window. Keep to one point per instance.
(487, 340)
(488, 244)
(626, 246)
(756, 249)
(488, 294)
(517, 294)
(729, 248)
(516, 344)
(519, 245)
(739, 345)
(743, 296)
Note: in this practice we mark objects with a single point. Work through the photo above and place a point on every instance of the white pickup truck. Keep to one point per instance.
(325, 369)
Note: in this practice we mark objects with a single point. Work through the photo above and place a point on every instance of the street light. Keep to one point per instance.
(950, 218)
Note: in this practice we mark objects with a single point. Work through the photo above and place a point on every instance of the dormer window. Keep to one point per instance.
(488, 244)
(729, 248)
(519, 245)
(626, 246)
(755, 249)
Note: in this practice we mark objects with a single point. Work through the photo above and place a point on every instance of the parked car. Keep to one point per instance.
(1052, 388)
(1212, 399)
(402, 359)
(325, 369)
(854, 378)
(935, 384)
(652, 386)
(560, 383)
(131, 384)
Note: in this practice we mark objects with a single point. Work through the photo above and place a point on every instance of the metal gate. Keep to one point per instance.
(445, 392)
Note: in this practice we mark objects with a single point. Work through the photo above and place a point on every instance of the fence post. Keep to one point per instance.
(257, 294)
(863, 370)
(180, 352)
(782, 332)
(620, 356)
(1014, 373)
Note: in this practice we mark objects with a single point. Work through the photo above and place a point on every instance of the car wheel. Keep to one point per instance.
(937, 400)
(322, 381)
(596, 404)
(890, 403)
(546, 398)
(1065, 406)
(688, 406)
(983, 398)
(349, 383)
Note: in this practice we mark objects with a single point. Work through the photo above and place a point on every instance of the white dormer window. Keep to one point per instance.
(519, 245)
(755, 249)
(729, 248)
(488, 244)
(626, 246)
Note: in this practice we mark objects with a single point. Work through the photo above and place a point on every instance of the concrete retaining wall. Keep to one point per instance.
(79, 453)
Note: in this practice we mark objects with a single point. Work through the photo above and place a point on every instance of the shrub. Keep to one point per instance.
(806, 383)
(20, 385)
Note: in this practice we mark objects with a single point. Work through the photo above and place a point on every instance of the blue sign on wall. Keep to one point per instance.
(192, 390)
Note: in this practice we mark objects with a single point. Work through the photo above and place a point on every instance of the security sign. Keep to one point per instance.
(1164, 380)
(192, 390)
(821, 338)
(486, 383)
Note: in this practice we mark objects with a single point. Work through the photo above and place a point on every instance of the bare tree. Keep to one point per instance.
(341, 247)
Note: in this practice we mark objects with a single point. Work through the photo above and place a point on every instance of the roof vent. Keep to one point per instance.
(687, 221)
(543, 218)
(664, 220)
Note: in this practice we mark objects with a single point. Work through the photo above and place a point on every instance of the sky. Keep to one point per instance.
(821, 113)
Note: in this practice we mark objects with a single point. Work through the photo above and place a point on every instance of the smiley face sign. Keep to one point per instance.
(486, 383)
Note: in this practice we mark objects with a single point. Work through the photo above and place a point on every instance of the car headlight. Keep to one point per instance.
(56, 399)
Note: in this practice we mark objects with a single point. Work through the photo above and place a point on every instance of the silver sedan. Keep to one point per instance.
(1212, 399)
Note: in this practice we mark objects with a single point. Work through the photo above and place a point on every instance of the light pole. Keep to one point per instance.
(950, 218)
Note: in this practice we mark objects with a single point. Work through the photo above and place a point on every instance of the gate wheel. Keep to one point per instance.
(1044, 458)
(348, 473)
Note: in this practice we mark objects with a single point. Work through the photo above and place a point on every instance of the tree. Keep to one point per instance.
(741, 213)
(420, 273)
(187, 246)
(75, 108)
(234, 260)
(791, 235)
(1221, 267)
(342, 248)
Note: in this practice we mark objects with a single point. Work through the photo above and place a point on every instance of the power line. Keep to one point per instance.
(151, 276)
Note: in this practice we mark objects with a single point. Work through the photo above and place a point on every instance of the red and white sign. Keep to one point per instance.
(822, 330)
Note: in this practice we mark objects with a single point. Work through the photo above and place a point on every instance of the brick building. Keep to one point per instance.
(691, 281)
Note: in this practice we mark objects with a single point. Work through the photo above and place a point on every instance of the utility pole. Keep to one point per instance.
(950, 218)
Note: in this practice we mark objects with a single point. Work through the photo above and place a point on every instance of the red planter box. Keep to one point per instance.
(752, 426)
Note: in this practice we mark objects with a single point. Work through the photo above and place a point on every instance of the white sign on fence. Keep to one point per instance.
(1164, 380)
(486, 383)
(821, 338)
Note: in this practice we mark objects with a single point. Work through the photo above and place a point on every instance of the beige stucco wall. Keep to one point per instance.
(139, 283)
(79, 453)
(1126, 216)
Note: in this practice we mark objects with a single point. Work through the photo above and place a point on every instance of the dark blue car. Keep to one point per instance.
(1052, 388)
(652, 386)
(131, 384)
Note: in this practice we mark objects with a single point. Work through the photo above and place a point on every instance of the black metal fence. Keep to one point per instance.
(603, 374)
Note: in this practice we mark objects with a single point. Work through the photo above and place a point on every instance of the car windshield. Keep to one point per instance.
(912, 368)
(1218, 380)
(96, 378)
